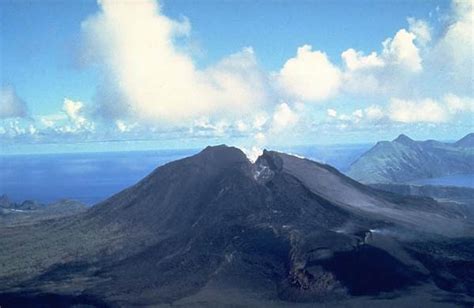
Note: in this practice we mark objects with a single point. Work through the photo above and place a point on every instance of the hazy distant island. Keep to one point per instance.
(29, 211)
(215, 229)
(404, 159)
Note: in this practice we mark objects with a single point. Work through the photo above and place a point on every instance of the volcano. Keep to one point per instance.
(215, 229)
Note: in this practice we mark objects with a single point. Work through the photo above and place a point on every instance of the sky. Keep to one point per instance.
(144, 74)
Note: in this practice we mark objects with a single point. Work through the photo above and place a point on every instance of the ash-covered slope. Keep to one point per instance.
(404, 159)
(29, 212)
(215, 228)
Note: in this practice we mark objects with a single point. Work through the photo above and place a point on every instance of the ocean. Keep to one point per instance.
(86, 177)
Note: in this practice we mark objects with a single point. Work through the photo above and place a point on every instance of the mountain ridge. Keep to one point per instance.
(404, 159)
(466, 141)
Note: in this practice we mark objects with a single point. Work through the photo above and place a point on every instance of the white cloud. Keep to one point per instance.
(310, 76)
(421, 29)
(241, 126)
(430, 110)
(374, 112)
(32, 129)
(399, 52)
(259, 121)
(342, 126)
(332, 113)
(51, 120)
(152, 81)
(125, 127)
(456, 104)
(355, 60)
(204, 127)
(410, 111)
(16, 128)
(122, 127)
(357, 115)
(344, 117)
(149, 77)
(402, 51)
(283, 117)
(364, 82)
(427, 110)
(75, 111)
(390, 72)
(260, 138)
(452, 55)
(11, 105)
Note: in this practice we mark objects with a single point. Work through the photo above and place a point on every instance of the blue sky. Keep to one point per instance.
(251, 73)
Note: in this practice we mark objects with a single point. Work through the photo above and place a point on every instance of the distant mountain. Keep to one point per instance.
(466, 142)
(29, 212)
(403, 160)
(216, 230)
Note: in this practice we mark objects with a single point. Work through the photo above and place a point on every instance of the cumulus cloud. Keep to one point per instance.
(369, 114)
(241, 126)
(356, 60)
(332, 113)
(456, 104)
(203, 126)
(260, 121)
(52, 120)
(410, 111)
(260, 138)
(261, 129)
(358, 115)
(374, 112)
(284, 117)
(150, 81)
(75, 112)
(310, 76)
(344, 117)
(430, 110)
(393, 69)
(398, 53)
(420, 29)
(149, 77)
(15, 128)
(402, 51)
(414, 61)
(125, 127)
(451, 57)
(11, 105)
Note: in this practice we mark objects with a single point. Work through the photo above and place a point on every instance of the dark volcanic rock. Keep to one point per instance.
(283, 229)
(30, 212)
